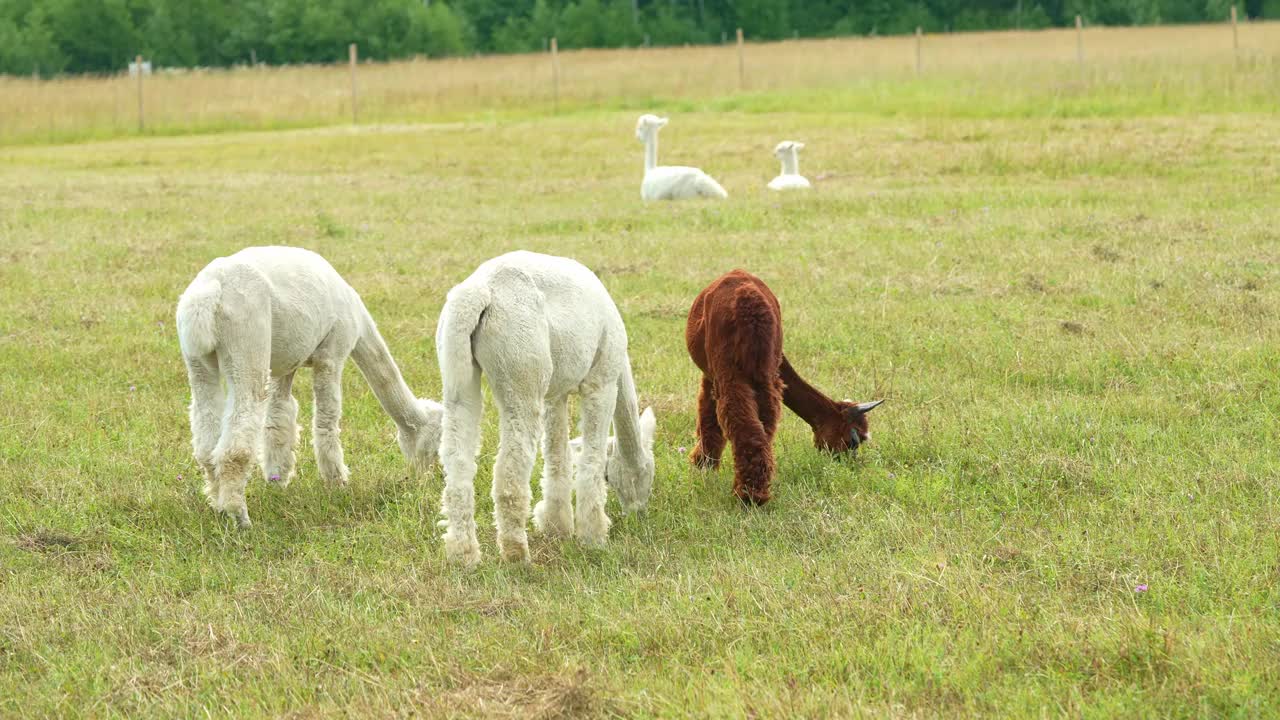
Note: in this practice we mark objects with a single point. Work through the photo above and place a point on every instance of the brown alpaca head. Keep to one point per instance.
(848, 431)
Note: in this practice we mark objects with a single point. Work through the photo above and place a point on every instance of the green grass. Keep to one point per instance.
(1073, 318)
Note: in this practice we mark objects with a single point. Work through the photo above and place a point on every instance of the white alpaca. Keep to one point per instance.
(788, 152)
(670, 182)
(252, 320)
(541, 328)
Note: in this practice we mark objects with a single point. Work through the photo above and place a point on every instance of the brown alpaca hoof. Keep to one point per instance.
(752, 499)
(703, 461)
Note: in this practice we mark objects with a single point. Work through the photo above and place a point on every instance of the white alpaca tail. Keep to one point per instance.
(197, 311)
(458, 320)
(708, 187)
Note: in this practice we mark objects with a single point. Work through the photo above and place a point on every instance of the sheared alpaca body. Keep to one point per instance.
(541, 328)
(734, 336)
(788, 151)
(670, 182)
(677, 182)
(250, 321)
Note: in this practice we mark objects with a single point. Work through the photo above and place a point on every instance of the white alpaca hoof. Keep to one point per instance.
(462, 554)
(338, 478)
(241, 516)
(554, 521)
(595, 531)
(461, 548)
(514, 550)
(277, 478)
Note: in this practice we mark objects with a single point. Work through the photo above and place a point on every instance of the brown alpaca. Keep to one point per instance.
(734, 336)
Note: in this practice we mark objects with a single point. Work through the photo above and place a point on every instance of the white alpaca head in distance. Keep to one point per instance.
(787, 148)
(648, 126)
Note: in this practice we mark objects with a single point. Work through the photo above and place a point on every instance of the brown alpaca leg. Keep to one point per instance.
(769, 408)
(706, 453)
(752, 451)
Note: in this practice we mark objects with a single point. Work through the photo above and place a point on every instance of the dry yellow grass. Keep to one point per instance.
(1004, 70)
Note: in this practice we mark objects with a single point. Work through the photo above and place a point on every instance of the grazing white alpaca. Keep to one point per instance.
(670, 182)
(251, 320)
(541, 328)
(788, 151)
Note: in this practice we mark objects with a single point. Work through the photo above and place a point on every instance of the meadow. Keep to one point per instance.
(1064, 283)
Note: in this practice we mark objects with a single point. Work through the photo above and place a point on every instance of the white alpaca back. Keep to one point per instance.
(306, 298)
(582, 321)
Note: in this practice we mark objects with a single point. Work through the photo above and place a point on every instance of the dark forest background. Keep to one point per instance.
(48, 37)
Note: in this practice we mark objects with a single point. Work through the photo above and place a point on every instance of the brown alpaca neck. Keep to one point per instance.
(805, 400)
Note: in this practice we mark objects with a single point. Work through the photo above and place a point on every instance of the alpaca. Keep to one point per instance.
(734, 335)
(251, 320)
(670, 182)
(788, 151)
(541, 328)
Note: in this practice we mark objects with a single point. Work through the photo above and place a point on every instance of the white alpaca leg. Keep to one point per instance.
(206, 419)
(597, 413)
(327, 384)
(280, 434)
(459, 443)
(519, 427)
(554, 515)
(237, 451)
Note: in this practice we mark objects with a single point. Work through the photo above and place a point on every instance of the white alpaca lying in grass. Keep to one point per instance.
(670, 182)
(788, 152)
(541, 328)
(251, 320)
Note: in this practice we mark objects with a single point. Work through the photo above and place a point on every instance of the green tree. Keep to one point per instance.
(593, 23)
(94, 35)
(436, 31)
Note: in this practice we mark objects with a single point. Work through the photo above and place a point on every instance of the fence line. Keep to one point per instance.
(490, 82)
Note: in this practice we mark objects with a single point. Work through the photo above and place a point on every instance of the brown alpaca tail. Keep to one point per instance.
(756, 343)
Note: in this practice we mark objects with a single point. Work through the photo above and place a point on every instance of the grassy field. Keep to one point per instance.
(1070, 305)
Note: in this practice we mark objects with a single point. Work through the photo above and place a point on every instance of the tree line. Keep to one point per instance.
(49, 37)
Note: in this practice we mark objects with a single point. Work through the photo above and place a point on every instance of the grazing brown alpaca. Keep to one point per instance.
(734, 336)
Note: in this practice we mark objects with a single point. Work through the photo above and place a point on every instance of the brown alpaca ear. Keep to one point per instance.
(862, 408)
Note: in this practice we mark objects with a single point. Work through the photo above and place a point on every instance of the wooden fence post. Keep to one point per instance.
(351, 58)
(555, 72)
(1080, 43)
(918, 39)
(137, 63)
(1235, 33)
(742, 67)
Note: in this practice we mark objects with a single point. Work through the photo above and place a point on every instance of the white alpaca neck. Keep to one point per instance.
(383, 375)
(651, 151)
(626, 420)
(791, 163)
